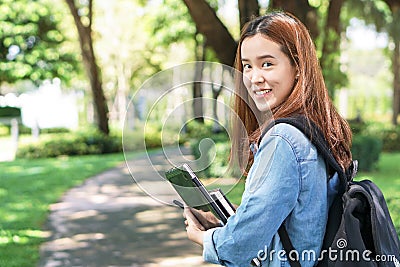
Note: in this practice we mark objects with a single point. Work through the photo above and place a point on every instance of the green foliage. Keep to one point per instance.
(31, 42)
(79, 143)
(155, 135)
(335, 78)
(197, 130)
(366, 146)
(357, 126)
(366, 149)
(170, 22)
(10, 112)
(391, 139)
(387, 133)
(219, 165)
(4, 130)
(27, 188)
(210, 149)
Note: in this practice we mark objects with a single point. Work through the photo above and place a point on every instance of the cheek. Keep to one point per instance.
(246, 81)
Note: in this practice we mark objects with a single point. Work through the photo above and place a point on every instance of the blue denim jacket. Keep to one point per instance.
(287, 183)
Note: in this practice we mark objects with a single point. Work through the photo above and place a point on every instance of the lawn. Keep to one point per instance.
(27, 188)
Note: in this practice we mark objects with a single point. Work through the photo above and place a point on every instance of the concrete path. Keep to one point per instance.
(111, 221)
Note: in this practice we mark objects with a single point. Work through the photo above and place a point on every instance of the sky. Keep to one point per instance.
(365, 37)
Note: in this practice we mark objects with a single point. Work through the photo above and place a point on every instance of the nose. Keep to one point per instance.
(257, 76)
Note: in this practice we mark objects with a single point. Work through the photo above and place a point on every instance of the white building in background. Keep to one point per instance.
(49, 107)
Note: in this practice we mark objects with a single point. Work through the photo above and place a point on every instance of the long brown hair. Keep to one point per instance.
(309, 96)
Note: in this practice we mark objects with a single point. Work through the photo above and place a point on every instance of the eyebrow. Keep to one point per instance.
(260, 57)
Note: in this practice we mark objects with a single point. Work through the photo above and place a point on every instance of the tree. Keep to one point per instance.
(301, 9)
(127, 55)
(247, 9)
(394, 31)
(83, 18)
(217, 35)
(222, 42)
(31, 43)
(385, 15)
(167, 30)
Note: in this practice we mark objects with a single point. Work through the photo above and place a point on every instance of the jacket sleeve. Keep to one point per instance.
(271, 192)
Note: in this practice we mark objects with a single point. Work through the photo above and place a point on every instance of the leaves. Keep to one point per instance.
(30, 41)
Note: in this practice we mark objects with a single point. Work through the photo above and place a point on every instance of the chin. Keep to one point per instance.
(264, 108)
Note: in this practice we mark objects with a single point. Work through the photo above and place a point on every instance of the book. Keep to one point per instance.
(195, 194)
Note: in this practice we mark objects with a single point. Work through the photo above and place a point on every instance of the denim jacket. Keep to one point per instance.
(287, 183)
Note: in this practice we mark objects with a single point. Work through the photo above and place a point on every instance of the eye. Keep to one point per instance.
(246, 66)
(267, 64)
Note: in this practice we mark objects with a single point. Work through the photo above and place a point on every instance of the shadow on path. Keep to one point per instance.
(110, 221)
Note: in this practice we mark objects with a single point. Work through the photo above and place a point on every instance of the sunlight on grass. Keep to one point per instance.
(27, 188)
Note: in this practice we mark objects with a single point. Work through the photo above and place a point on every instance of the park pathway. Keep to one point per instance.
(110, 221)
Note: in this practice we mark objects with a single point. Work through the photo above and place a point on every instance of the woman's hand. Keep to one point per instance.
(206, 218)
(195, 230)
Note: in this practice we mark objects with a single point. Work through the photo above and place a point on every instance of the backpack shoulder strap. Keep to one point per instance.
(314, 134)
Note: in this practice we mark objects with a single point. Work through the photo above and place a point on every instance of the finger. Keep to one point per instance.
(193, 220)
(199, 215)
(195, 212)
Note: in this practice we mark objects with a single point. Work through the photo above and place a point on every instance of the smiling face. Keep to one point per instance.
(268, 73)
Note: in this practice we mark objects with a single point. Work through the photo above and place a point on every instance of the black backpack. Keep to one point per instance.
(360, 231)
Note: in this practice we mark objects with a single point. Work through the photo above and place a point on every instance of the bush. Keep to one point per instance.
(391, 139)
(357, 126)
(155, 136)
(10, 112)
(78, 143)
(219, 165)
(389, 134)
(366, 149)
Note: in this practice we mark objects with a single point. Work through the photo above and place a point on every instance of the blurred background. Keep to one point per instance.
(74, 78)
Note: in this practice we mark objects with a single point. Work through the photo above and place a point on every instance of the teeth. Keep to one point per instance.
(263, 92)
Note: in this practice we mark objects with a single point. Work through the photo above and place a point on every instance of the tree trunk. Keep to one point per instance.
(216, 91)
(122, 91)
(302, 10)
(247, 10)
(330, 61)
(217, 35)
(92, 70)
(396, 82)
(198, 76)
(332, 26)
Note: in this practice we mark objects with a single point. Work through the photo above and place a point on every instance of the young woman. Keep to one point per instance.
(286, 177)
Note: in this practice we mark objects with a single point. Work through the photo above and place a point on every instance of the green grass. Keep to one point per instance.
(387, 177)
(27, 188)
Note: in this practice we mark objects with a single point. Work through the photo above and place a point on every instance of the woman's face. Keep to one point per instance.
(268, 75)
